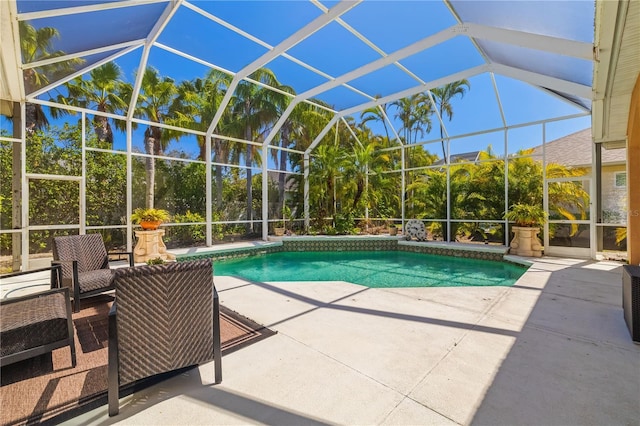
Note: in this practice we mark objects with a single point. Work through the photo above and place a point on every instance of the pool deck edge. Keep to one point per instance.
(351, 243)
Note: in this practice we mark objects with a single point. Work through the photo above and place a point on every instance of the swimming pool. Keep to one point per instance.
(378, 269)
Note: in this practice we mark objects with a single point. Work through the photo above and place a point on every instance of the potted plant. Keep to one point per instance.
(149, 219)
(527, 221)
(279, 229)
(393, 229)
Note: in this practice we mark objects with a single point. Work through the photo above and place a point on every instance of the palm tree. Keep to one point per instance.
(254, 108)
(35, 45)
(362, 159)
(200, 99)
(157, 103)
(414, 113)
(290, 130)
(376, 113)
(443, 96)
(330, 162)
(103, 91)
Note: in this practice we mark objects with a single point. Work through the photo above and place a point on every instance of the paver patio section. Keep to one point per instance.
(553, 349)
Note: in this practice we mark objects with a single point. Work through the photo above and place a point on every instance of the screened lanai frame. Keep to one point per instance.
(552, 81)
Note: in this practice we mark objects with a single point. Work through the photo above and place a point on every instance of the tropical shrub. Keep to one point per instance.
(187, 234)
(526, 215)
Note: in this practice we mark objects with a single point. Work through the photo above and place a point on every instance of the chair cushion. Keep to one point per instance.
(32, 323)
(95, 280)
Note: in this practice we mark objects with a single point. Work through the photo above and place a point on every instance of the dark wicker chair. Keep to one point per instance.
(85, 265)
(37, 323)
(165, 317)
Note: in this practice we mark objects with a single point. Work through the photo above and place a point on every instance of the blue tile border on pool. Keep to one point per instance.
(495, 253)
(231, 253)
(471, 251)
(340, 244)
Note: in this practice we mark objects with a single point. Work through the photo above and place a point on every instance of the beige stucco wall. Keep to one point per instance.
(633, 177)
(614, 199)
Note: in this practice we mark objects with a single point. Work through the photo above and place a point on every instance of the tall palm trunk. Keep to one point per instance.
(358, 195)
(283, 165)
(202, 148)
(444, 152)
(330, 189)
(34, 117)
(219, 156)
(248, 163)
(103, 127)
(151, 141)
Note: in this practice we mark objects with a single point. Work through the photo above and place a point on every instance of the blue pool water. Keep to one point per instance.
(378, 269)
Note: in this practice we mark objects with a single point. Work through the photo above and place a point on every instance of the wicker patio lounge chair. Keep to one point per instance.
(165, 317)
(37, 323)
(85, 265)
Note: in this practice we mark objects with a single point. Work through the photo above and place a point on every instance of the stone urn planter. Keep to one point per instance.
(150, 225)
(528, 219)
(526, 242)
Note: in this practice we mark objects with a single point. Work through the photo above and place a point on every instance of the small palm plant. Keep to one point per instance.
(526, 215)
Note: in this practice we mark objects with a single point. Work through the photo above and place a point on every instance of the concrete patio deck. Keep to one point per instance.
(552, 350)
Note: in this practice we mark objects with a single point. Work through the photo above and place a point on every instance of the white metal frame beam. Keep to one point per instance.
(83, 53)
(322, 133)
(417, 89)
(541, 80)
(412, 49)
(50, 13)
(560, 46)
(297, 37)
(155, 32)
(82, 71)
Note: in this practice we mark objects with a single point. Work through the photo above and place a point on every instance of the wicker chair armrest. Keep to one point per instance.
(74, 276)
(43, 293)
(56, 274)
(31, 271)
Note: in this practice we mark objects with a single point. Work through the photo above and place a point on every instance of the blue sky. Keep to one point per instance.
(390, 25)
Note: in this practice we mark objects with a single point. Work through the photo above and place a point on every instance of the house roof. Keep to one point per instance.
(471, 156)
(575, 150)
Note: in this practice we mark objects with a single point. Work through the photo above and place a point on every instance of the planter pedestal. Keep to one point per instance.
(150, 246)
(526, 242)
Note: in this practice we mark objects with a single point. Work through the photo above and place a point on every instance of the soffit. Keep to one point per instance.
(616, 72)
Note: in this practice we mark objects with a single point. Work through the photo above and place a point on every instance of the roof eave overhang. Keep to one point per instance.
(10, 74)
(611, 97)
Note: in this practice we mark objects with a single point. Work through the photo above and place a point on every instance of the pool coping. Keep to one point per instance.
(358, 243)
